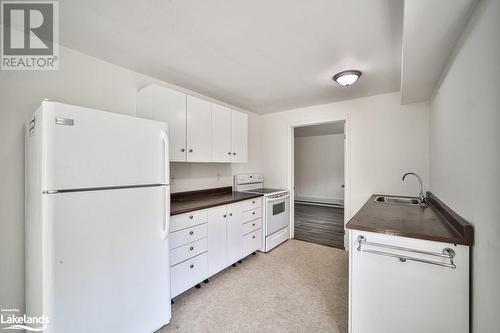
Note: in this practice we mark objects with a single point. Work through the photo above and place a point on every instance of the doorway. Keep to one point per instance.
(319, 183)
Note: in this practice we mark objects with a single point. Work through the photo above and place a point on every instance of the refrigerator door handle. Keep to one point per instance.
(166, 177)
(166, 217)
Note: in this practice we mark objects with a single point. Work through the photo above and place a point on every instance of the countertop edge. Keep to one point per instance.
(221, 203)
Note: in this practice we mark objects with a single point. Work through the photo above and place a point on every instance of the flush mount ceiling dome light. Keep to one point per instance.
(347, 78)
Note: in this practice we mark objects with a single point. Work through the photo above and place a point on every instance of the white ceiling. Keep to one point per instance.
(263, 56)
(430, 32)
(322, 129)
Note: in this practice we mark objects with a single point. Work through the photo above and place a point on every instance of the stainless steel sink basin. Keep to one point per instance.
(397, 200)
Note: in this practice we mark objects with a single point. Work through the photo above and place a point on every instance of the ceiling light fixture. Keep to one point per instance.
(347, 78)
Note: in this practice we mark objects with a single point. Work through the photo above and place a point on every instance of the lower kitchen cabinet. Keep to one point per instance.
(423, 285)
(234, 233)
(188, 273)
(202, 243)
(217, 239)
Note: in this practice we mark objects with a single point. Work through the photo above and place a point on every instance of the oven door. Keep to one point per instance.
(277, 212)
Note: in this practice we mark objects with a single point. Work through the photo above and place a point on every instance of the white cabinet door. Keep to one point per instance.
(234, 233)
(217, 239)
(239, 137)
(199, 130)
(221, 134)
(410, 291)
(167, 105)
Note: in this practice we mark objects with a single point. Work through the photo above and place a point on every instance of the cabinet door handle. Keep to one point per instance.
(229, 153)
(191, 217)
(234, 153)
(183, 149)
(191, 232)
(224, 215)
(253, 224)
(190, 150)
(253, 213)
(253, 202)
(191, 266)
(253, 236)
(191, 248)
(230, 214)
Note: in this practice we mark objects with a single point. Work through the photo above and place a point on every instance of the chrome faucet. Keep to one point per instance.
(423, 198)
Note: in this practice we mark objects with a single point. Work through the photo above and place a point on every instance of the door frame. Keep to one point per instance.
(347, 167)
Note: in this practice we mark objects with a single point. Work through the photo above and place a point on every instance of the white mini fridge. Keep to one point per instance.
(97, 219)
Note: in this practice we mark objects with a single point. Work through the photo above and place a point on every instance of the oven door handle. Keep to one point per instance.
(278, 198)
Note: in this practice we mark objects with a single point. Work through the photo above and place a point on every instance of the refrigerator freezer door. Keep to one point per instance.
(107, 264)
(86, 148)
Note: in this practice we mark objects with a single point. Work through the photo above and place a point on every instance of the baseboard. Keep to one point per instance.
(319, 201)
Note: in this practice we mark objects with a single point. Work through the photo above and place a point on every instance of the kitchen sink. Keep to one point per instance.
(397, 200)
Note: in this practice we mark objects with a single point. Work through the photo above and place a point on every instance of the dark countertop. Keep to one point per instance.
(436, 222)
(184, 202)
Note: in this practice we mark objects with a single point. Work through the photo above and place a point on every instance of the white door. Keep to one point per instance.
(234, 233)
(388, 295)
(221, 134)
(278, 214)
(89, 148)
(170, 106)
(199, 130)
(239, 137)
(217, 239)
(107, 264)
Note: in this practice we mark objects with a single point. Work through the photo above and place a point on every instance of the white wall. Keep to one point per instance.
(81, 80)
(387, 140)
(465, 153)
(319, 167)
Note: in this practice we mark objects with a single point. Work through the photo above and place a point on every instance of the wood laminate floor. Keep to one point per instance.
(320, 224)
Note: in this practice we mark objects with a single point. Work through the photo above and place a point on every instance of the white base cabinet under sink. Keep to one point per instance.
(392, 295)
(204, 242)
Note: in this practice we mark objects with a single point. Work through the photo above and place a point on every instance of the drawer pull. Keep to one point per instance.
(253, 213)
(191, 232)
(253, 224)
(253, 236)
(183, 150)
(224, 215)
(229, 153)
(190, 150)
(234, 153)
(191, 266)
(191, 217)
(253, 202)
(230, 214)
(191, 248)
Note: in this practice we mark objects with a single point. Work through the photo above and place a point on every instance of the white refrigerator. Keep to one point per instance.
(97, 219)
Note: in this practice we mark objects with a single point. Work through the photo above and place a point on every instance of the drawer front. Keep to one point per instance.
(183, 221)
(189, 235)
(187, 251)
(252, 226)
(252, 214)
(252, 242)
(188, 273)
(251, 204)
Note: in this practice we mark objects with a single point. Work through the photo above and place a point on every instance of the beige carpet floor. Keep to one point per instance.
(297, 287)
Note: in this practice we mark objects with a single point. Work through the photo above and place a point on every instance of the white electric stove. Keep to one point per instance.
(276, 208)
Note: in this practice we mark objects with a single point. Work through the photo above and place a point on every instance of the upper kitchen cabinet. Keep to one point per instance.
(158, 103)
(221, 134)
(239, 137)
(199, 130)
